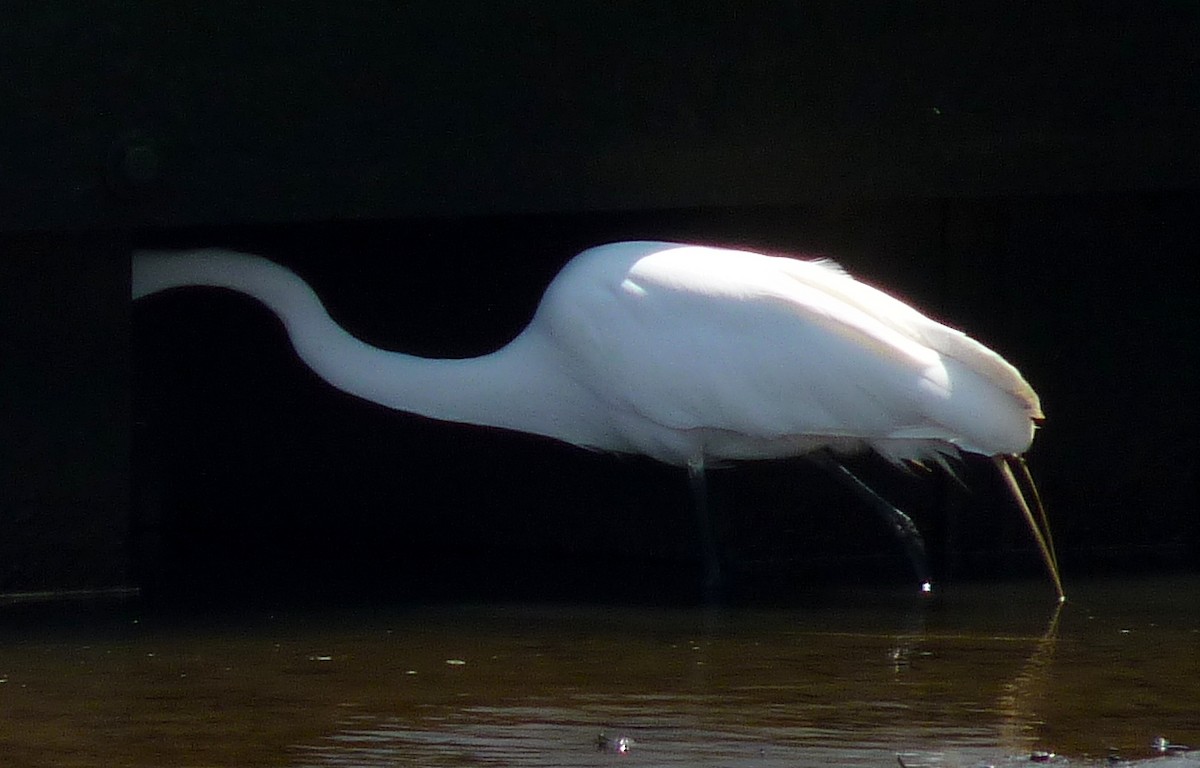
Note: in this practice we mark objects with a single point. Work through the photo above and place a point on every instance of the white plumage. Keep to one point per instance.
(692, 355)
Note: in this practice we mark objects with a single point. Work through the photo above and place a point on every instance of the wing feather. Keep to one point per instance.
(776, 349)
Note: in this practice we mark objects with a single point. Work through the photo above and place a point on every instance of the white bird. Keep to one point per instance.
(693, 355)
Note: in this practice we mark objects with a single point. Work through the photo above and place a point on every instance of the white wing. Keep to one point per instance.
(776, 350)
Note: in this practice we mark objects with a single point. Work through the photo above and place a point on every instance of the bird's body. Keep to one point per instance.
(691, 355)
(721, 354)
(678, 353)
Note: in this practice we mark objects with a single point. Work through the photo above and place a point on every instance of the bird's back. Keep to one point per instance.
(732, 355)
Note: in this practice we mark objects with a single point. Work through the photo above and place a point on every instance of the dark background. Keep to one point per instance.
(1030, 176)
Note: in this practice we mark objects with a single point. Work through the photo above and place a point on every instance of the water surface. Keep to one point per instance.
(983, 675)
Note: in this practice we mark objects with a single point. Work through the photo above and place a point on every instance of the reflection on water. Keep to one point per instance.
(979, 676)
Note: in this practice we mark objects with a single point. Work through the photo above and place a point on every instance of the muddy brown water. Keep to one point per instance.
(977, 676)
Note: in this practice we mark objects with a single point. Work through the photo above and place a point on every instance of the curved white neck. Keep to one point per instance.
(513, 388)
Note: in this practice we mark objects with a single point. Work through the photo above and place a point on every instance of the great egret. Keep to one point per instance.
(693, 355)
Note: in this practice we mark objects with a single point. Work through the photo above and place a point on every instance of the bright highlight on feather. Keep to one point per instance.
(692, 355)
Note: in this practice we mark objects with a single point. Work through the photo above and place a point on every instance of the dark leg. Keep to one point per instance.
(708, 542)
(900, 523)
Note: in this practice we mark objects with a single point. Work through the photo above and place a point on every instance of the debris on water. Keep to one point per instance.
(1040, 756)
(619, 745)
(1164, 746)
